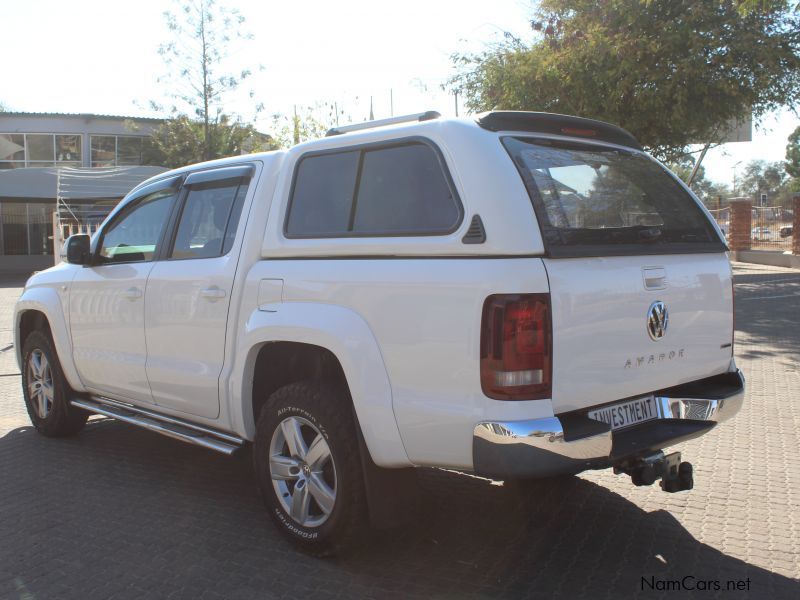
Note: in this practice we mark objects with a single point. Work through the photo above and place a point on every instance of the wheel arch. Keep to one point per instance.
(317, 341)
(283, 362)
(41, 308)
(33, 320)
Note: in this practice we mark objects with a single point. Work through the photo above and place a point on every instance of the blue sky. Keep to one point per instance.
(98, 56)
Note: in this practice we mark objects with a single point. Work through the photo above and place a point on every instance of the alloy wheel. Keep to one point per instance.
(40, 383)
(303, 471)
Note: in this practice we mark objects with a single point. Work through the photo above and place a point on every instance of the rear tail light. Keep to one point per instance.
(516, 347)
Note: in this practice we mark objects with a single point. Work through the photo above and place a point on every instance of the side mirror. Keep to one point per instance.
(77, 247)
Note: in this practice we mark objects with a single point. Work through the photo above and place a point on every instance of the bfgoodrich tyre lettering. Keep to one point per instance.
(308, 466)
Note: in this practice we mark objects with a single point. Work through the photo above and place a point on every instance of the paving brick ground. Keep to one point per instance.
(122, 513)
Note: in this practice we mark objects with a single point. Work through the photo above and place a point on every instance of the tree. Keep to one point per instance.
(673, 72)
(761, 177)
(199, 127)
(307, 123)
(793, 154)
(706, 190)
(180, 141)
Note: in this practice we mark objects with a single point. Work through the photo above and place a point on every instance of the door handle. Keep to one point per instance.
(212, 293)
(132, 293)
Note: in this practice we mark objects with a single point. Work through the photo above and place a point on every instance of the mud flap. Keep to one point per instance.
(394, 497)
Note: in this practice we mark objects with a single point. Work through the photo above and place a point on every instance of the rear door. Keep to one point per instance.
(189, 292)
(640, 283)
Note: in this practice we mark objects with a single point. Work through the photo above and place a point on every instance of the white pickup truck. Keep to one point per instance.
(516, 295)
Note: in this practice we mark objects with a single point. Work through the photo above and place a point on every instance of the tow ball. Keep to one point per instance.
(676, 476)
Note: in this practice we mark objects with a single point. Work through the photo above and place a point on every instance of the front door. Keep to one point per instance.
(189, 292)
(107, 298)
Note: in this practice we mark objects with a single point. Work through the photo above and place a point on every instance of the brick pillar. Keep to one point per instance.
(796, 226)
(741, 224)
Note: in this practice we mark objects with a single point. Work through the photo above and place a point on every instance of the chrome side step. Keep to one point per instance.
(163, 424)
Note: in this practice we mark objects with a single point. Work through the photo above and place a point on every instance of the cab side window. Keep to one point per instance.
(209, 219)
(135, 234)
(323, 194)
(402, 191)
(394, 189)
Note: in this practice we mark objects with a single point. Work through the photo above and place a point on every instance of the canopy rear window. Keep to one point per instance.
(602, 201)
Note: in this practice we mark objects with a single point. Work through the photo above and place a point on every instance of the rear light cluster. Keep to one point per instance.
(516, 347)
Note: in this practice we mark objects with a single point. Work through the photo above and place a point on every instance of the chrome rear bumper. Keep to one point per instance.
(574, 443)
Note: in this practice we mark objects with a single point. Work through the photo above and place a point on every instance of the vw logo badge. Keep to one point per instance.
(657, 320)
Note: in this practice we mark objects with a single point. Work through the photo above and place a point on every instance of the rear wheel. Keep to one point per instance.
(308, 467)
(46, 391)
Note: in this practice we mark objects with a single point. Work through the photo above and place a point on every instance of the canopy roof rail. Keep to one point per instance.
(423, 116)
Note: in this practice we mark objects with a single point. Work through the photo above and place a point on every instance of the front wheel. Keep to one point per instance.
(308, 467)
(46, 391)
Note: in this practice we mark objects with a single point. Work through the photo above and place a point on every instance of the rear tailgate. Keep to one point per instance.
(628, 247)
(602, 349)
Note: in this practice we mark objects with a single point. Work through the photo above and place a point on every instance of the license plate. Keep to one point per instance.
(625, 414)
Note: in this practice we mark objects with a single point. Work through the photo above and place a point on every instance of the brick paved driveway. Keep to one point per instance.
(122, 513)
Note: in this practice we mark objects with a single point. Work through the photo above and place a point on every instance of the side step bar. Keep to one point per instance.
(163, 424)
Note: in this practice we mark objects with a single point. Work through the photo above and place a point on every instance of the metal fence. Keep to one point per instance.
(84, 197)
(62, 229)
(771, 227)
(723, 219)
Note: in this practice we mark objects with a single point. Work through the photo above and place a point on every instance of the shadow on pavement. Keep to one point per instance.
(119, 512)
(767, 309)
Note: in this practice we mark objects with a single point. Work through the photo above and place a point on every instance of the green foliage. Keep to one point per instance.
(747, 6)
(199, 127)
(181, 141)
(673, 72)
(793, 154)
(307, 123)
(762, 177)
(706, 190)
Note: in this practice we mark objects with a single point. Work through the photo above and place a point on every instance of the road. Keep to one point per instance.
(119, 512)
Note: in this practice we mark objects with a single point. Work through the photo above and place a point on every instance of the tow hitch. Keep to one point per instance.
(676, 476)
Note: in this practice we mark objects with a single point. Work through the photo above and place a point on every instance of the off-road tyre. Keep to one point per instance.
(321, 408)
(59, 418)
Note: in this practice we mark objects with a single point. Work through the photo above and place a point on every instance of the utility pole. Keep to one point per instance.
(391, 102)
(734, 176)
(371, 114)
(455, 94)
